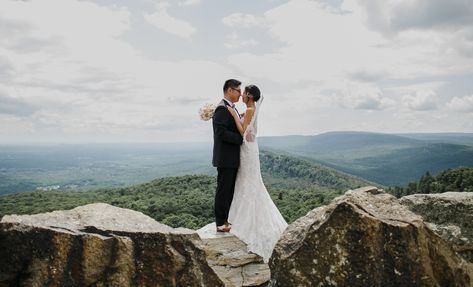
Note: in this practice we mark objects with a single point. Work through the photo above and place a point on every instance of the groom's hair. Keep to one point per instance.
(232, 83)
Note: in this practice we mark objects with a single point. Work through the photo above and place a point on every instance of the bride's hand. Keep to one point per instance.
(232, 112)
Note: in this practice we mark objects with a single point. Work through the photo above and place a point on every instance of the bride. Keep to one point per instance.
(254, 217)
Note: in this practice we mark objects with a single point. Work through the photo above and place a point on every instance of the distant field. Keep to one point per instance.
(85, 167)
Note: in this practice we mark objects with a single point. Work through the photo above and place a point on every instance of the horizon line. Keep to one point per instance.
(210, 141)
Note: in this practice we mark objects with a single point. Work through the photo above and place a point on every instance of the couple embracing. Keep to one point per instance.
(243, 206)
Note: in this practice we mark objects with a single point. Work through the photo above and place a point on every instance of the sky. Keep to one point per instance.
(139, 70)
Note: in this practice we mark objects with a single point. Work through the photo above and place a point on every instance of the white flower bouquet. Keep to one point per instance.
(207, 112)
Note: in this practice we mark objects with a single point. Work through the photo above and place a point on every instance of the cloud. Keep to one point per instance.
(92, 83)
(14, 106)
(239, 20)
(115, 74)
(163, 21)
(341, 46)
(425, 100)
(6, 68)
(58, 53)
(412, 88)
(367, 75)
(338, 44)
(369, 102)
(360, 96)
(189, 2)
(442, 29)
(393, 16)
(461, 104)
(233, 41)
(19, 35)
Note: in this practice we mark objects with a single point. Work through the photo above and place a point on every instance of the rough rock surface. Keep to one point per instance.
(229, 258)
(449, 214)
(100, 215)
(365, 238)
(100, 245)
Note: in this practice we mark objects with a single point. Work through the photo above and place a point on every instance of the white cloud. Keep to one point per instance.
(111, 75)
(14, 106)
(232, 41)
(461, 104)
(413, 88)
(361, 96)
(393, 16)
(337, 44)
(348, 64)
(341, 45)
(239, 20)
(162, 20)
(425, 100)
(188, 2)
(439, 34)
(92, 84)
(367, 75)
(371, 102)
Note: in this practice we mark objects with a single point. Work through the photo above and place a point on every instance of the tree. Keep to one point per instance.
(425, 182)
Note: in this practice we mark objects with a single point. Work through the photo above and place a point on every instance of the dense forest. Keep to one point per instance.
(453, 179)
(185, 201)
(296, 186)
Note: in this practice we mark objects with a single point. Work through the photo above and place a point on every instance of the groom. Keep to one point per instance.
(226, 153)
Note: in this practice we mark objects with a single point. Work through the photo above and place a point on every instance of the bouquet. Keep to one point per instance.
(207, 112)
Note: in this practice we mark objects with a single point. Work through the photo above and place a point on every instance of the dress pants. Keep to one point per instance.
(224, 195)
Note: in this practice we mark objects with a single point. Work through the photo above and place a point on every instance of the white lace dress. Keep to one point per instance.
(254, 217)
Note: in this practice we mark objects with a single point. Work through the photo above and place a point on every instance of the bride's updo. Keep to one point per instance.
(253, 92)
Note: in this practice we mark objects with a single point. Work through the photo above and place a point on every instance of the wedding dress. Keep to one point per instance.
(254, 217)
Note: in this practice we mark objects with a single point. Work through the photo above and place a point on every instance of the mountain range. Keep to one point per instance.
(387, 159)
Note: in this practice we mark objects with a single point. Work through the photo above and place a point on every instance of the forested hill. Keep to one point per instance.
(454, 179)
(295, 185)
(387, 159)
(284, 169)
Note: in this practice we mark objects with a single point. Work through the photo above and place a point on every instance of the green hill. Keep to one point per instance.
(405, 165)
(337, 142)
(454, 179)
(453, 138)
(281, 170)
(296, 186)
(383, 158)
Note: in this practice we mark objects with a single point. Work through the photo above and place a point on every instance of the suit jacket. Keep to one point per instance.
(227, 138)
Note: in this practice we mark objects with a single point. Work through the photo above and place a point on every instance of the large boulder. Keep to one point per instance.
(365, 238)
(100, 245)
(449, 214)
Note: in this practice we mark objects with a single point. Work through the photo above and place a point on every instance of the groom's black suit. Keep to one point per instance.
(226, 157)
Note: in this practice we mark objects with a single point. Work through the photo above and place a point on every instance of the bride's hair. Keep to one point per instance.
(253, 92)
